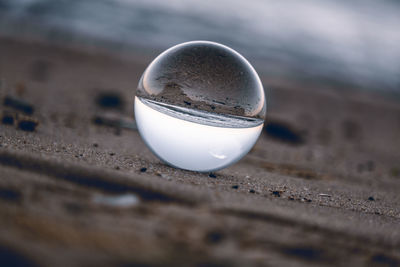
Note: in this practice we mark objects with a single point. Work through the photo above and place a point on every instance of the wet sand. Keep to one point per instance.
(79, 187)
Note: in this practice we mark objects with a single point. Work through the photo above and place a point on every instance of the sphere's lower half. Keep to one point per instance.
(192, 146)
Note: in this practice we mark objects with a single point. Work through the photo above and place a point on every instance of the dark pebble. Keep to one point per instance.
(28, 124)
(235, 186)
(252, 191)
(10, 195)
(95, 145)
(112, 154)
(276, 193)
(111, 100)
(371, 198)
(7, 119)
(187, 103)
(282, 131)
(143, 169)
(18, 104)
(212, 175)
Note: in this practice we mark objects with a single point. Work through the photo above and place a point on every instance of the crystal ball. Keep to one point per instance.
(200, 106)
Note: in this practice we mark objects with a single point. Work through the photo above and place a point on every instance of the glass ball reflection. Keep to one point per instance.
(200, 106)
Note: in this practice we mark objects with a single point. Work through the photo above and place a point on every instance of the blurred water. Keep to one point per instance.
(345, 41)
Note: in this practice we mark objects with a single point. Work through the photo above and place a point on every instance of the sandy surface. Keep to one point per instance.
(321, 186)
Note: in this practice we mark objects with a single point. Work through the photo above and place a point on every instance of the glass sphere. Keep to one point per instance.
(200, 106)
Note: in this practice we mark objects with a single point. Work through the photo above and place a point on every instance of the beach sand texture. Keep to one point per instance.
(78, 187)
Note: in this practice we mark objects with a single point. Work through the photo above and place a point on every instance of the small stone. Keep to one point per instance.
(252, 191)
(18, 104)
(9, 194)
(143, 169)
(110, 100)
(235, 186)
(212, 175)
(27, 124)
(7, 118)
(371, 198)
(276, 193)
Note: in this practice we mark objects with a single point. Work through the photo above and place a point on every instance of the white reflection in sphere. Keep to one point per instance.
(200, 106)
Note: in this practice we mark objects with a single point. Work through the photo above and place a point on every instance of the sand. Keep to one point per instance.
(78, 187)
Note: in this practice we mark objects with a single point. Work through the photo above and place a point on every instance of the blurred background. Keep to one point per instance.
(352, 43)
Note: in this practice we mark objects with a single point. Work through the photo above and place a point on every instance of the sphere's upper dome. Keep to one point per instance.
(204, 76)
